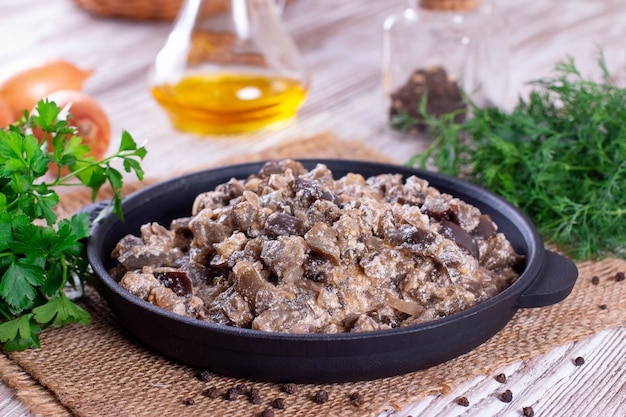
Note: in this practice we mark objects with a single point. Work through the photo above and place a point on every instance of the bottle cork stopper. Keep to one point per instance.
(450, 5)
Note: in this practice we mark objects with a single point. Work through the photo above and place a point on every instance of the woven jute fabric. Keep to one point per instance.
(101, 370)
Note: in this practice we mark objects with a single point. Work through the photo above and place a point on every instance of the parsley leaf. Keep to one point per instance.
(19, 333)
(19, 282)
(60, 311)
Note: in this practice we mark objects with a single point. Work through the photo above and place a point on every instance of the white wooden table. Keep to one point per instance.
(342, 43)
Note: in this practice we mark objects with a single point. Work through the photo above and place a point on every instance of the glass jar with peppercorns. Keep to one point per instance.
(439, 52)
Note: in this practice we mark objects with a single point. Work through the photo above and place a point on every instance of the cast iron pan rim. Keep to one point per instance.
(531, 271)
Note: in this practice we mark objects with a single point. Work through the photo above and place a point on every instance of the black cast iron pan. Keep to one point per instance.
(546, 278)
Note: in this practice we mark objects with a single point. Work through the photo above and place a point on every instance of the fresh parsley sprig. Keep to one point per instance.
(40, 254)
(560, 156)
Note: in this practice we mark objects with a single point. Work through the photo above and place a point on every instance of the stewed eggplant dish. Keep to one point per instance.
(293, 250)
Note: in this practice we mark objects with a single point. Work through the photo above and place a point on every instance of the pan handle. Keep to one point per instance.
(554, 283)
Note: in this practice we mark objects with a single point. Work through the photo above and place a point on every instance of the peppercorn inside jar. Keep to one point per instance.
(438, 55)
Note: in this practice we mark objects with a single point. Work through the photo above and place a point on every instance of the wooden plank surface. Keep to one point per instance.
(342, 43)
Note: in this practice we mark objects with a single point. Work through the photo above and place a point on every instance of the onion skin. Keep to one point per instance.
(24, 89)
(89, 119)
(6, 114)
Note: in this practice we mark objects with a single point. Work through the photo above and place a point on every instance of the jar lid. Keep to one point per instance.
(450, 5)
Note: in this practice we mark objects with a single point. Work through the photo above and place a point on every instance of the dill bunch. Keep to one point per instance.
(559, 156)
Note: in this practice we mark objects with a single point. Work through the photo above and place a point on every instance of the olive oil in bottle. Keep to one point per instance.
(229, 103)
(229, 70)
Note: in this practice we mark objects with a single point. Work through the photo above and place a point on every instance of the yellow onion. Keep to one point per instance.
(6, 114)
(23, 89)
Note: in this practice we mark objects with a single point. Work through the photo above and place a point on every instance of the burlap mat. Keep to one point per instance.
(100, 370)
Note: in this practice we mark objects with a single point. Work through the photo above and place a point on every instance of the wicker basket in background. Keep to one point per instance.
(146, 9)
(133, 9)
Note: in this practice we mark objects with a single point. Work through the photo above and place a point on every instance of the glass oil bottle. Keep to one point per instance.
(437, 53)
(228, 67)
